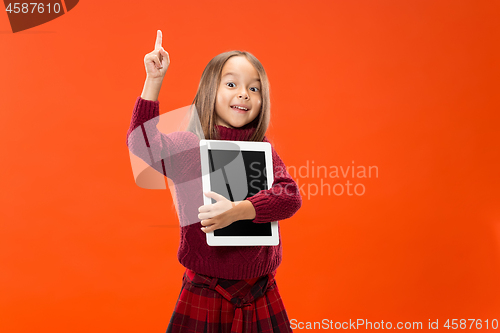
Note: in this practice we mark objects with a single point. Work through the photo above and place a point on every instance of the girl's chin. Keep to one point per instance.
(237, 124)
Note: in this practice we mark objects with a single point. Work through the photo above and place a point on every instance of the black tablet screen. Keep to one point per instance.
(238, 175)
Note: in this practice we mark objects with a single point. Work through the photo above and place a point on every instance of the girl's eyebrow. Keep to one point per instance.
(234, 74)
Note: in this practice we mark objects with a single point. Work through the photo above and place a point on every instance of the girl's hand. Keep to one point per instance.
(212, 210)
(218, 222)
(157, 61)
(214, 216)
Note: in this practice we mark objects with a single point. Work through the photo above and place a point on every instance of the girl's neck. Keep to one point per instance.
(234, 134)
(235, 128)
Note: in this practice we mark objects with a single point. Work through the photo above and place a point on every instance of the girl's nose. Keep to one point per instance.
(240, 95)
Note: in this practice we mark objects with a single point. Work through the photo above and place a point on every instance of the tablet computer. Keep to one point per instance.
(238, 170)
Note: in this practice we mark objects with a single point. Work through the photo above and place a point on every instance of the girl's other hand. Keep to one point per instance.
(157, 61)
(217, 215)
(212, 210)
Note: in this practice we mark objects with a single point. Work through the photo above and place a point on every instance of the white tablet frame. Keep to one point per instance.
(265, 147)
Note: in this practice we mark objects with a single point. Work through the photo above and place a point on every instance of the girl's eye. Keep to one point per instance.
(256, 89)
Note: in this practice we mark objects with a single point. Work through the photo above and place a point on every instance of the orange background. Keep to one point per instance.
(408, 86)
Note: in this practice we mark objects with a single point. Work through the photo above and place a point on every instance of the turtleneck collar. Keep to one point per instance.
(234, 134)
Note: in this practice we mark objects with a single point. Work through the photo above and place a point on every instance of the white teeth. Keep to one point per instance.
(239, 107)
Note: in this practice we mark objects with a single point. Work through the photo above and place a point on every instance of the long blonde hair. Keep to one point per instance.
(205, 99)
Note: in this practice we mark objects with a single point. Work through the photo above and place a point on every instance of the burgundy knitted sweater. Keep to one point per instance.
(227, 262)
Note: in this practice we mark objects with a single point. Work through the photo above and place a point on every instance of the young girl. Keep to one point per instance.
(224, 288)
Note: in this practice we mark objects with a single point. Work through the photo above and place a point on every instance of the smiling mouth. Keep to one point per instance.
(238, 109)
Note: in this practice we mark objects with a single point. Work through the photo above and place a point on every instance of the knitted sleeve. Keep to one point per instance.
(164, 152)
(282, 200)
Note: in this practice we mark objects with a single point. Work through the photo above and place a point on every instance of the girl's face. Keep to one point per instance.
(239, 86)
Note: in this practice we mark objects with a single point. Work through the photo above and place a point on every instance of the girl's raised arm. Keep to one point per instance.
(143, 138)
(166, 153)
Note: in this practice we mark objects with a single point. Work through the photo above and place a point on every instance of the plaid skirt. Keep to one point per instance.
(212, 305)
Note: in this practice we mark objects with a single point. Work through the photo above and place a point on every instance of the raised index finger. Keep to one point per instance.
(158, 40)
